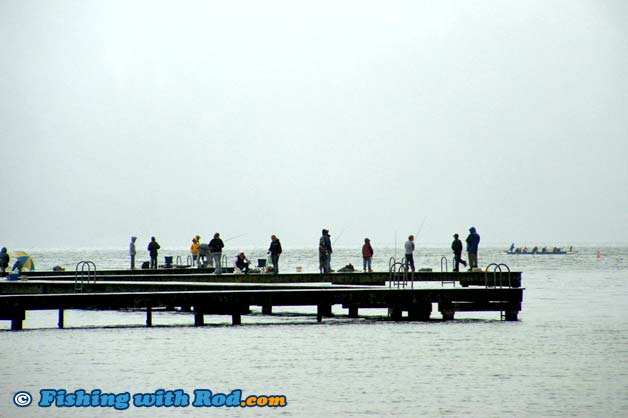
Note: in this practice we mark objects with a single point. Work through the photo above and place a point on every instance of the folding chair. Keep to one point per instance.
(261, 264)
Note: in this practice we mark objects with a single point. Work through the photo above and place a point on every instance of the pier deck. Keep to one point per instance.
(106, 286)
(465, 279)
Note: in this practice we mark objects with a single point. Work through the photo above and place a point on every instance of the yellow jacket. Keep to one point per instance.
(194, 247)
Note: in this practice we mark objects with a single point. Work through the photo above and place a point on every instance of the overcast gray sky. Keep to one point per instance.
(172, 118)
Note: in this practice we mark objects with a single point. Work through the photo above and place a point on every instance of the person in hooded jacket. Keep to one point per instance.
(132, 252)
(473, 241)
(196, 242)
(324, 252)
(4, 260)
(275, 251)
(153, 247)
(367, 255)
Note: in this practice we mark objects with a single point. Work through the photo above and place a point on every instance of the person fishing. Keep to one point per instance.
(409, 253)
(324, 252)
(242, 263)
(215, 247)
(473, 241)
(153, 248)
(275, 251)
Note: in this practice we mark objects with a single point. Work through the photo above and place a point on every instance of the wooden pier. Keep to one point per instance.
(416, 302)
(203, 293)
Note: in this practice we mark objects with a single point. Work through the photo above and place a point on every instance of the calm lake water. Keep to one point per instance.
(566, 356)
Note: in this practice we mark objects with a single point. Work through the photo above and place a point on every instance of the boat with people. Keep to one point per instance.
(538, 251)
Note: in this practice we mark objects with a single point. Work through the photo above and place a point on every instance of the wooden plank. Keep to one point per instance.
(205, 276)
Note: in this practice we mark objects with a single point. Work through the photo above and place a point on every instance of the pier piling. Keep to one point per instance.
(396, 313)
(149, 316)
(60, 322)
(16, 324)
(420, 311)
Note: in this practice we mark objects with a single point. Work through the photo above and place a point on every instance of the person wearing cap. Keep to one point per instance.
(367, 255)
(473, 241)
(132, 252)
(456, 246)
(409, 252)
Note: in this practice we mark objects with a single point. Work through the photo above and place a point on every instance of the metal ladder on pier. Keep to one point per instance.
(398, 274)
(88, 272)
(179, 261)
(498, 273)
(443, 262)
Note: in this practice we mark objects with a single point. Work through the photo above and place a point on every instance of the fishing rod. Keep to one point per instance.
(420, 228)
(395, 244)
(234, 237)
(338, 237)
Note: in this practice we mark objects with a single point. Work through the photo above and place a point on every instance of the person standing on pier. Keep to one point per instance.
(132, 252)
(456, 246)
(275, 251)
(367, 255)
(325, 250)
(473, 241)
(215, 247)
(153, 247)
(196, 242)
(322, 255)
(409, 250)
(4, 260)
(329, 251)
